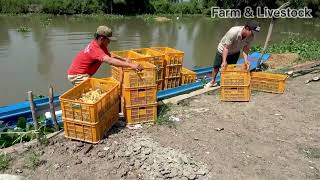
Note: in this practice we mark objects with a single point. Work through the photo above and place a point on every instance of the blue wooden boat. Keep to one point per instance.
(9, 114)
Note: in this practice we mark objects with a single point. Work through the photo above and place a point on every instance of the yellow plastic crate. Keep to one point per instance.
(133, 79)
(160, 85)
(235, 93)
(116, 73)
(91, 132)
(139, 96)
(75, 110)
(160, 74)
(141, 114)
(173, 71)
(127, 54)
(173, 56)
(268, 82)
(235, 75)
(171, 82)
(155, 57)
(187, 76)
(144, 54)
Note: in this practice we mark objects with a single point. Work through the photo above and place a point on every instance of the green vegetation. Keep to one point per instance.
(311, 152)
(96, 17)
(24, 132)
(308, 49)
(4, 161)
(164, 116)
(32, 160)
(23, 29)
(134, 7)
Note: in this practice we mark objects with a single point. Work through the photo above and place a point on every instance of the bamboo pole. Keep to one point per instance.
(52, 109)
(34, 115)
(268, 36)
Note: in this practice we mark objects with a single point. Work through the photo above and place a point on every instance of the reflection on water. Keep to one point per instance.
(36, 59)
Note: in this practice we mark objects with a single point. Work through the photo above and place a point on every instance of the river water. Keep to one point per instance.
(36, 59)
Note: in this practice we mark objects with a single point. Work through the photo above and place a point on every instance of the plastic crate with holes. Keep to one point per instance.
(139, 96)
(187, 76)
(91, 132)
(103, 95)
(116, 73)
(235, 75)
(127, 54)
(235, 93)
(130, 78)
(143, 54)
(268, 82)
(173, 60)
(173, 71)
(155, 57)
(171, 82)
(160, 85)
(141, 114)
(172, 56)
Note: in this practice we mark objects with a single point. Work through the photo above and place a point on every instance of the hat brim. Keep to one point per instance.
(112, 38)
(257, 29)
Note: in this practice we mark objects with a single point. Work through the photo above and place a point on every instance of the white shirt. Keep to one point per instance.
(233, 39)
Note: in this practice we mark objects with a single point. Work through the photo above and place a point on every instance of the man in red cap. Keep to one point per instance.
(236, 39)
(87, 61)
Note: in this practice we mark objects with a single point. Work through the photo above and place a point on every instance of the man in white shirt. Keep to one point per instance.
(236, 39)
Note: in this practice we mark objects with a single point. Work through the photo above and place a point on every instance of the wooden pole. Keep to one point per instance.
(34, 115)
(52, 109)
(269, 35)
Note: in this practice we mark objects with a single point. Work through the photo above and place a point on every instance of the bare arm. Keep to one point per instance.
(122, 59)
(120, 63)
(245, 55)
(225, 54)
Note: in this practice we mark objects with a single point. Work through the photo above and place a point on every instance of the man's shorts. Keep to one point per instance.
(231, 59)
(77, 79)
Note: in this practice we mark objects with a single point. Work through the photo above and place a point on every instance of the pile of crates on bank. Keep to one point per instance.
(162, 70)
(128, 91)
(89, 121)
(237, 82)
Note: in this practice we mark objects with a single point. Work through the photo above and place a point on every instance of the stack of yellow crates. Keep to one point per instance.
(88, 121)
(173, 66)
(139, 89)
(235, 83)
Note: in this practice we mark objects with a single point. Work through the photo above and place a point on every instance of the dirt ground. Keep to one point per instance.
(274, 136)
(283, 60)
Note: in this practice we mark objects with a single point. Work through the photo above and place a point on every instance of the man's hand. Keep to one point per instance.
(136, 67)
(224, 64)
(248, 65)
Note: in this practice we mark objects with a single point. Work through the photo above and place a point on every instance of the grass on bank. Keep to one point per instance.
(308, 49)
(4, 161)
(164, 117)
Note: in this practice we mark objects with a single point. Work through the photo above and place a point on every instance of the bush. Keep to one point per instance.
(160, 6)
(71, 6)
(16, 6)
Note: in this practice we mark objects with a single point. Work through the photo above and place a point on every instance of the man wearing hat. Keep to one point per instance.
(87, 61)
(236, 39)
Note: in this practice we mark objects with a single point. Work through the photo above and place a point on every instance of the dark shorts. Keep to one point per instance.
(231, 59)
